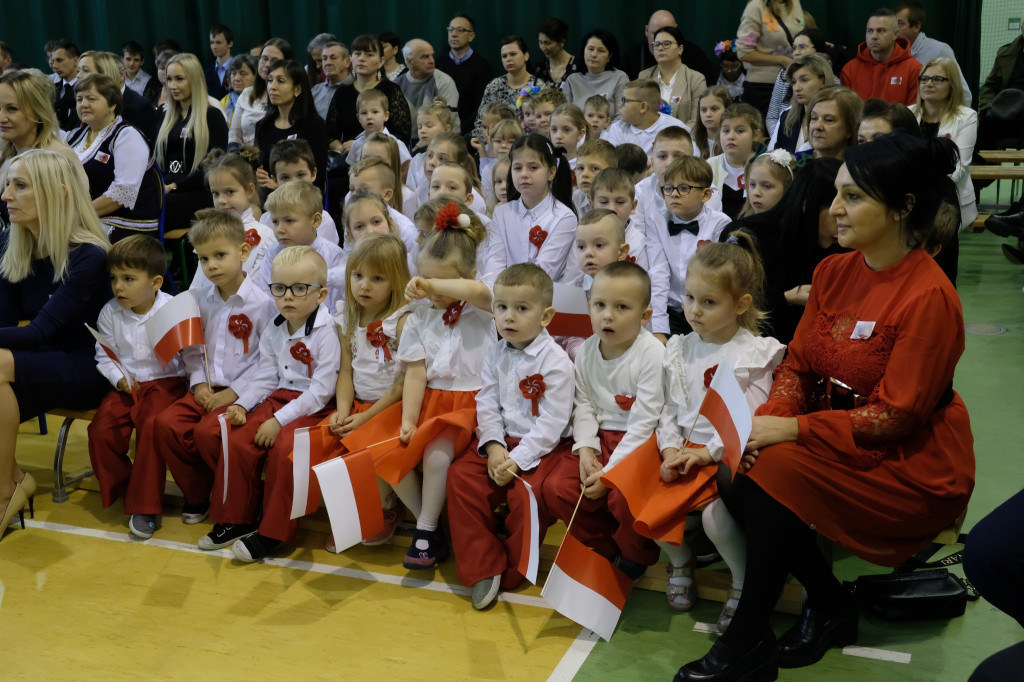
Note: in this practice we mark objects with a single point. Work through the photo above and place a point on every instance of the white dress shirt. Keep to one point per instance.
(455, 354)
(355, 152)
(224, 352)
(668, 257)
(279, 369)
(501, 409)
(621, 132)
(688, 359)
(637, 373)
(127, 330)
(512, 225)
(257, 253)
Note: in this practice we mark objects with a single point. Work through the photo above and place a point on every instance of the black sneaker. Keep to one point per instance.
(633, 570)
(224, 534)
(254, 547)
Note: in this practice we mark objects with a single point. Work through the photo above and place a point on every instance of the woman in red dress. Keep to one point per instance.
(862, 439)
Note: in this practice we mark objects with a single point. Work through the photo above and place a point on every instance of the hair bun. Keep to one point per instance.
(944, 154)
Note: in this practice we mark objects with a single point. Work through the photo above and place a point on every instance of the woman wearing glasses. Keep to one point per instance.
(680, 86)
(942, 112)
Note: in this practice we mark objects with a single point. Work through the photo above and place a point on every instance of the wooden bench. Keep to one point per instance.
(60, 481)
(1002, 155)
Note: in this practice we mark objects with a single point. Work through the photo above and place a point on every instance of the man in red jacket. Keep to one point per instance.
(884, 66)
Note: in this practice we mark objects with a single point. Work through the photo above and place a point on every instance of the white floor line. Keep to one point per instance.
(859, 651)
(226, 553)
(877, 654)
(574, 658)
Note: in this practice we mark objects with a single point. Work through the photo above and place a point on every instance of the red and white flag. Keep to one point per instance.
(586, 587)
(726, 408)
(312, 446)
(107, 344)
(174, 326)
(529, 557)
(225, 448)
(349, 487)
(572, 312)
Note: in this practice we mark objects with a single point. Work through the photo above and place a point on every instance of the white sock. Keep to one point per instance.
(437, 457)
(723, 530)
(410, 492)
(677, 556)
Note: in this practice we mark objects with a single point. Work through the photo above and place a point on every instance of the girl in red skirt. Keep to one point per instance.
(443, 347)
(371, 376)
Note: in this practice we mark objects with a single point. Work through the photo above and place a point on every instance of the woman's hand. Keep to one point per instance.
(769, 430)
(798, 295)
(170, 187)
(263, 179)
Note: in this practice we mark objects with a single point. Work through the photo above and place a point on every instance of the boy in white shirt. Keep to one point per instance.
(639, 119)
(591, 158)
(234, 311)
(293, 387)
(523, 421)
(136, 265)
(619, 398)
(377, 176)
(672, 240)
(613, 189)
(372, 111)
(293, 160)
(296, 209)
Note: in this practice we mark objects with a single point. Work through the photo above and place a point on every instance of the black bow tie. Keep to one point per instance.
(675, 229)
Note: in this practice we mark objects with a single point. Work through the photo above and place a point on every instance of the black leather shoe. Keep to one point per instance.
(1006, 226)
(815, 633)
(723, 664)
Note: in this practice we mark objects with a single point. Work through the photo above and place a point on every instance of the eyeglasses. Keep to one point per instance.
(663, 44)
(938, 80)
(457, 29)
(683, 190)
(625, 100)
(298, 289)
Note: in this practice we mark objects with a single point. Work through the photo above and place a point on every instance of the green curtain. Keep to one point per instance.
(106, 24)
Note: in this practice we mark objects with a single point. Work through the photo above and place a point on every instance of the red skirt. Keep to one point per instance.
(659, 509)
(393, 460)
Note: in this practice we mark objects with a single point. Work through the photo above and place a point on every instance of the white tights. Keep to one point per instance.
(724, 532)
(427, 505)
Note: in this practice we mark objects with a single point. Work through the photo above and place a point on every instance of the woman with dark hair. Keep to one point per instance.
(793, 237)
(367, 68)
(253, 102)
(515, 58)
(125, 192)
(680, 86)
(863, 439)
(805, 43)
(879, 117)
(391, 47)
(557, 64)
(291, 115)
(601, 76)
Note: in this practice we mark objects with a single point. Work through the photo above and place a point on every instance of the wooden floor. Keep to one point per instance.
(80, 600)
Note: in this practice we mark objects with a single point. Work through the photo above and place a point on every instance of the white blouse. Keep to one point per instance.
(243, 122)
(512, 225)
(689, 364)
(455, 354)
(372, 372)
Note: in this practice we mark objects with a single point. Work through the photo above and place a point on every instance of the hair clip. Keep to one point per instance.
(449, 216)
(779, 156)
(732, 240)
(664, 108)
(528, 91)
(803, 158)
(725, 46)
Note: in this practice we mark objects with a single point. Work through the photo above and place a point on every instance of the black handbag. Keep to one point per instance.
(918, 595)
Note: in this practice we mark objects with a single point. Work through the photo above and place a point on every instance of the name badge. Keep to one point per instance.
(103, 158)
(184, 133)
(293, 136)
(863, 330)
(896, 80)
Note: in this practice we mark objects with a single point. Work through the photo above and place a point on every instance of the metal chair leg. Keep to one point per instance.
(60, 483)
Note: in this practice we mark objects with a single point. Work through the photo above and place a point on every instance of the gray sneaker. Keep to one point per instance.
(143, 525)
(485, 592)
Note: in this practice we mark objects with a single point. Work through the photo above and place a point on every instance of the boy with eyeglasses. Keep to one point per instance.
(688, 220)
(293, 387)
(639, 119)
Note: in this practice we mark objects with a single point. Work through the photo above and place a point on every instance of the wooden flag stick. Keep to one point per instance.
(568, 525)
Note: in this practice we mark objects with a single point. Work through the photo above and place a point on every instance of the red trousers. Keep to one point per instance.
(140, 483)
(175, 432)
(244, 469)
(472, 497)
(606, 524)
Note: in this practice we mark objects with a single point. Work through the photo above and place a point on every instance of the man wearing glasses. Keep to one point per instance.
(470, 71)
(884, 67)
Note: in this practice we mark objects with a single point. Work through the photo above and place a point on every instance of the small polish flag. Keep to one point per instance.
(349, 487)
(585, 587)
(107, 344)
(530, 554)
(726, 408)
(174, 326)
(225, 449)
(312, 446)
(572, 312)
